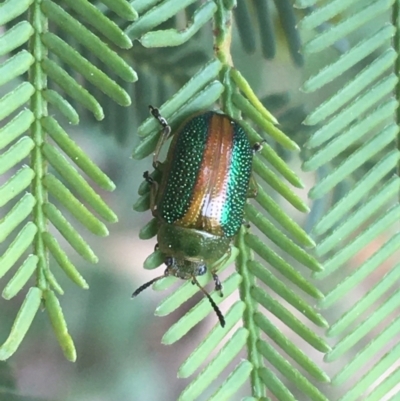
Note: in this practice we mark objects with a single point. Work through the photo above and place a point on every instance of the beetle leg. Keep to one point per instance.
(153, 190)
(258, 146)
(252, 190)
(149, 179)
(246, 223)
(166, 131)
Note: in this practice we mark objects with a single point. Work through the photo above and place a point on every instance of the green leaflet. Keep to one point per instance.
(173, 37)
(59, 325)
(21, 277)
(22, 323)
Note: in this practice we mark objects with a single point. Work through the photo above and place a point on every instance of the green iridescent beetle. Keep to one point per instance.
(200, 199)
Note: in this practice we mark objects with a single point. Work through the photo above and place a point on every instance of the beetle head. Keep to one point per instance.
(187, 270)
(183, 268)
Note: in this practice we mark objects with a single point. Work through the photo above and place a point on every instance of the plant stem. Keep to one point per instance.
(223, 34)
(248, 281)
(38, 105)
(222, 49)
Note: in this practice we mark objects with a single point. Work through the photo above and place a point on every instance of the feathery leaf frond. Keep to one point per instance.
(218, 81)
(355, 127)
(25, 134)
(75, 58)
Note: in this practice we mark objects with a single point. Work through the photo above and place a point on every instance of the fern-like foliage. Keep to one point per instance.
(249, 319)
(38, 191)
(66, 57)
(355, 136)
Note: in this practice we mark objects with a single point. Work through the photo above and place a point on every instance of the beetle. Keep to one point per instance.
(199, 201)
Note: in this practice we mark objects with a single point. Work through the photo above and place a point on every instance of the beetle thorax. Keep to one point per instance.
(189, 249)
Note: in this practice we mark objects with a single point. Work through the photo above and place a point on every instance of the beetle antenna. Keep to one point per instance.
(146, 285)
(213, 304)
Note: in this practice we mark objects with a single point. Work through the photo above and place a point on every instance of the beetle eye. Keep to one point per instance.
(201, 270)
(169, 261)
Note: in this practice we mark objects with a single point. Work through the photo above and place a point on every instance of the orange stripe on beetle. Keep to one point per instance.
(210, 190)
